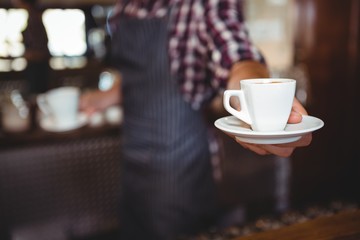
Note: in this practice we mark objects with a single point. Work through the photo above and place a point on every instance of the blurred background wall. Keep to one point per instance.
(317, 42)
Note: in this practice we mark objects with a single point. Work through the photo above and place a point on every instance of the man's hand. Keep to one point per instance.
(286, 149)
(97, 100)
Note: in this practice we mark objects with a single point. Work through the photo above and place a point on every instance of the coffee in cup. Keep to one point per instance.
(265, 103)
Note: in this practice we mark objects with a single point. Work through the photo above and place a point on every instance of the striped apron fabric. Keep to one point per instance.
(167, 184)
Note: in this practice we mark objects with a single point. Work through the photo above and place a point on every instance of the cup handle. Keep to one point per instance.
(243, 114)
(42, 104)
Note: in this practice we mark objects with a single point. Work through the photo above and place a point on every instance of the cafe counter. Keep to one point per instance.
(57, 185)
(327, 221)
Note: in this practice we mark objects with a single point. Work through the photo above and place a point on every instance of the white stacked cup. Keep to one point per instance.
(61, 104)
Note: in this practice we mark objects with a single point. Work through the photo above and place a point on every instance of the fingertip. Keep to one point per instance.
(295, 117)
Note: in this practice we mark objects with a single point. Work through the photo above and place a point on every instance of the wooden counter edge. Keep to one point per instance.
(344, 225)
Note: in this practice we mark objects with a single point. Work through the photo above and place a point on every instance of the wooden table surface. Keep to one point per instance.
(344, 226)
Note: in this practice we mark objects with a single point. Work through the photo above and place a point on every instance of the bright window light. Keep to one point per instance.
(106, 81)
(66, 31)
(12, 23)
(18, 64)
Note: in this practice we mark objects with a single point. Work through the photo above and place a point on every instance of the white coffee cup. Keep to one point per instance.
(61, 104)
(265, 103)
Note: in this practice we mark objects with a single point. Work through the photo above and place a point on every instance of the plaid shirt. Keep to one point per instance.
(206, 38)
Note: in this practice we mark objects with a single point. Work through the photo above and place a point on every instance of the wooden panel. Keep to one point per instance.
(345, 226)
(327, 43)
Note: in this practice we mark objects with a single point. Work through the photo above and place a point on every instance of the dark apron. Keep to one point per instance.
(167, 184)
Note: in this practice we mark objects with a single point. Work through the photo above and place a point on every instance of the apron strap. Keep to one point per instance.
(126, 2)
(169, 12)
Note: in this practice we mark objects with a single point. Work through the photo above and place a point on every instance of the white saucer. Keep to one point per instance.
(292, 132)
(48, 124)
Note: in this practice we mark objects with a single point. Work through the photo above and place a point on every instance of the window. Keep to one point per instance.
(12, 23)
(66, 32)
